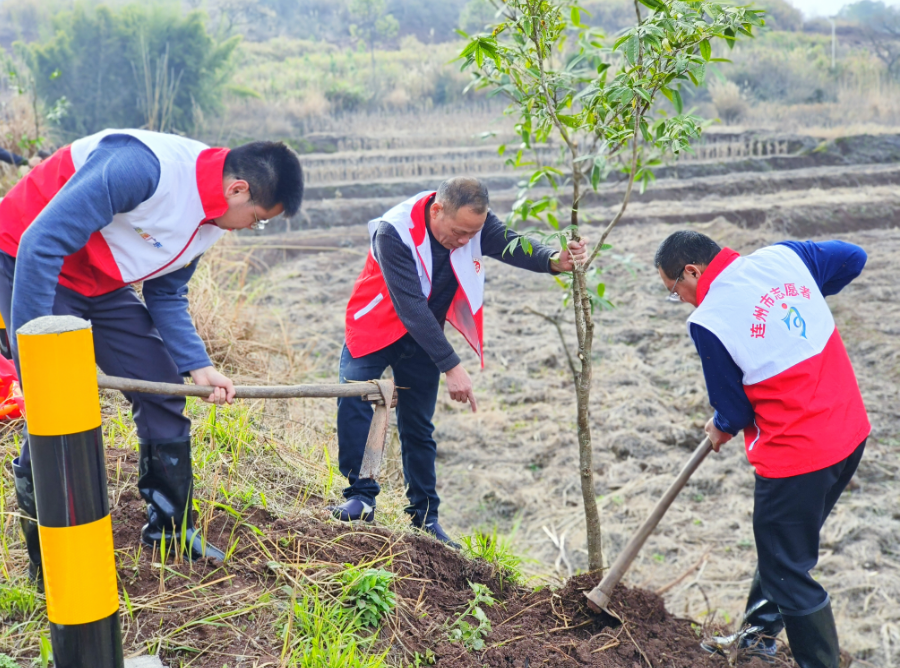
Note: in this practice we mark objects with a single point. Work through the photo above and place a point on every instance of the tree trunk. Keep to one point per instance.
(584, 327)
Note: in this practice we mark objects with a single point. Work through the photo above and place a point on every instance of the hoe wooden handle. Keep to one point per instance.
(599, 596)
(368, 391)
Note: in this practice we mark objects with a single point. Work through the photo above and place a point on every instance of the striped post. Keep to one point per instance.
(59, 378)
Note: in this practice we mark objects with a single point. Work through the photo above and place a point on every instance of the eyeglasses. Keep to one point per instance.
(674, 296)
(257, 224)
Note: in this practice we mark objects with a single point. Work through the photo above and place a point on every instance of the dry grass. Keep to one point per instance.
(242, 339)
(869, 105)
(17, 129)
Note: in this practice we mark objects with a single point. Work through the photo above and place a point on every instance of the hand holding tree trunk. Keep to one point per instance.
(602, 105)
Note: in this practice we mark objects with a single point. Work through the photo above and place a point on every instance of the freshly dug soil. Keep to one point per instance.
(217, 610)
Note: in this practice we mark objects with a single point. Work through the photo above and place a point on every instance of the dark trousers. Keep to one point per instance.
(126, 343)
(788, 514)
(413, 369)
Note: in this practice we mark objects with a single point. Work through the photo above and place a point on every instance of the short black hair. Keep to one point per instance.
(462, 191)
(273, 172)
(683, 248)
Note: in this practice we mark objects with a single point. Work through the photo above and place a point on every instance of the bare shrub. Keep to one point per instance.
(728, 100)
(397, 98)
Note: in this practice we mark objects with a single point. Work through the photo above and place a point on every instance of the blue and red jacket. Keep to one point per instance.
(774, 362)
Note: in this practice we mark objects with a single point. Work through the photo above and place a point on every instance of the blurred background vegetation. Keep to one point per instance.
(231, 70)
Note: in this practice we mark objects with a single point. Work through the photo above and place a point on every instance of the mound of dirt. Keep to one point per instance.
(202, 614)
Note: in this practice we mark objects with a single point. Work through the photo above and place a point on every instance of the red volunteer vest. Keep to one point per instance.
(372, 322)
(159, 236)
(768, 312)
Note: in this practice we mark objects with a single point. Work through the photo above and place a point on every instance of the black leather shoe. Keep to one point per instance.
(353, 510)
(434, 529)
(24, 483)
(166, 483)
(813, 639)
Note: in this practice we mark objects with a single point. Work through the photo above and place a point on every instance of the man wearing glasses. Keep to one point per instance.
(130, 206)
(776, 368)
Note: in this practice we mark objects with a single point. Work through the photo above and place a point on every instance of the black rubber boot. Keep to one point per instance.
(28, 508)
(813, 639)
(166, 483)
(761, 625)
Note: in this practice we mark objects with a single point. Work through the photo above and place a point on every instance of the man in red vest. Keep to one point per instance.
(776, 368)
(425, 267)
(123, 207)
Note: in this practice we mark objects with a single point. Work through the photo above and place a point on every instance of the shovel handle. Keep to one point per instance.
(599, 596)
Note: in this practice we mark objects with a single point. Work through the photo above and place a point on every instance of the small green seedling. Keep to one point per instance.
(469, 634)
(369, 594)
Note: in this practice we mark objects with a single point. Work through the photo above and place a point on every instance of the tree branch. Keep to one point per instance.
(555, 323)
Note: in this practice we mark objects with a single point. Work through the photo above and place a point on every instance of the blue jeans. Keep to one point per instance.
(126, 343)
(413, 369)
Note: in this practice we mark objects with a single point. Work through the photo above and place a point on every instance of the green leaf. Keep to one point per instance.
(569, 121)
(601, 289)
(645, 131)
(677, 102)
(705, 50)
(655, 5)
(632, 49)
(595, 177)
(729, 37)
(576, 17)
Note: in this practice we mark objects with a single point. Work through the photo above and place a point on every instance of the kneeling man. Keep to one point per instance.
(426, 266)
(776, 367)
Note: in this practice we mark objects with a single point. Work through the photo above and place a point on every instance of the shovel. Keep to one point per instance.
(599, 596)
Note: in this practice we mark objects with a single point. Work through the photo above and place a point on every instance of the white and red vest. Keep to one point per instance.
(372, 323)
(160, 236)
(768, 312)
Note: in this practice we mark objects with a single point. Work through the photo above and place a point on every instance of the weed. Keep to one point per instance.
(497, 551)
(17, 602)
(368, 593)
(426, 659)
(470, 635)
(46, 651)
(318, 633)
(7, 662)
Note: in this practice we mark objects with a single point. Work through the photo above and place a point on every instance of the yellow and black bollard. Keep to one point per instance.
(59, 378)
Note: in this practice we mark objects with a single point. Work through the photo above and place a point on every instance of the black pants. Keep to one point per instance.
(788, 514)
(126, 343)
(413, 369)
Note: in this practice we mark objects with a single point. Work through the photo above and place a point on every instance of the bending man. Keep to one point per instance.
(123, 207)
(426, 266)
(776, 367)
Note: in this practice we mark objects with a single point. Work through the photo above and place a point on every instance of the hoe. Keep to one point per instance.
(599, 596)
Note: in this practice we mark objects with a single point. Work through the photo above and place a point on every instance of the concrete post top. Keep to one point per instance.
(144, 662)
(53, 324)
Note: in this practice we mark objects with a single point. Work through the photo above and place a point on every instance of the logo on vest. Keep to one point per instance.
(778, 294)
(148, 238)
(794, 318)
(477, 266)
